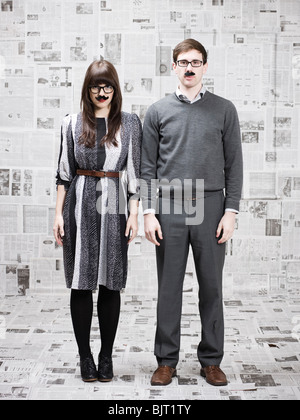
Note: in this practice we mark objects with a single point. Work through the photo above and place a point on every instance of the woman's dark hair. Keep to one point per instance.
(188, 45)
(100, 72)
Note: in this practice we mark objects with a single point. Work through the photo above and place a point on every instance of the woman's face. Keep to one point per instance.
(101, 95)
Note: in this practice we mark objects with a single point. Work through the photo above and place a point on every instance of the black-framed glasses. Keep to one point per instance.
(97, 89)
(193, 63)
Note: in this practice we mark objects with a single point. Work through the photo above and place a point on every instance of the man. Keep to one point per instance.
(191, 135)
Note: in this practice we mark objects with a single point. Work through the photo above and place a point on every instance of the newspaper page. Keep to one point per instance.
(253, 60)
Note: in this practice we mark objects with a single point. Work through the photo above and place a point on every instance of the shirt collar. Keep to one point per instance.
(183, 98)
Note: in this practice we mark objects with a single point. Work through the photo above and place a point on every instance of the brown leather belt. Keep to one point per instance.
(98, 174)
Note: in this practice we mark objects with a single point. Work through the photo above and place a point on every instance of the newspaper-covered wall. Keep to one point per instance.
(254, 60)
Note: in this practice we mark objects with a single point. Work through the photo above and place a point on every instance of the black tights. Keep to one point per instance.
(108, 307)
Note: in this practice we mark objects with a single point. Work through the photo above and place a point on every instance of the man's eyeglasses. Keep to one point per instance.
(185, 63)
(97, 89)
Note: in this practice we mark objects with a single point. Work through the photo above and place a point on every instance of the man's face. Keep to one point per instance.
(190, 76)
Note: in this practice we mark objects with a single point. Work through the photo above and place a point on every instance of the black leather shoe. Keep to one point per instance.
(88, 369)
(105, 369)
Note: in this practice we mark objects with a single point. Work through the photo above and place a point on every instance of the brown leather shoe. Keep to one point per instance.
(214, 376)
(163, 376)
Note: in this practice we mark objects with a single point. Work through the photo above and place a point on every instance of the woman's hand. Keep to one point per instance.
(132, 227)
(58, 230)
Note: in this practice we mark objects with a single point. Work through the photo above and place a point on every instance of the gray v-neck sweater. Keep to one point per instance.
(193, 141)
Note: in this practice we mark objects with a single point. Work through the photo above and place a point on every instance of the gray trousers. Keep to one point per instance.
(172, 255)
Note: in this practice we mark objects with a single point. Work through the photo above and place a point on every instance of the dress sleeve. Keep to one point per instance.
(66, 170)
(134, 157)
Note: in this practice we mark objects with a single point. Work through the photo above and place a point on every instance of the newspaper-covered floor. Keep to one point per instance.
(39, 361)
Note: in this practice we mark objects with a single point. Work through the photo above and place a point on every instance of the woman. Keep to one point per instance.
(99, 148)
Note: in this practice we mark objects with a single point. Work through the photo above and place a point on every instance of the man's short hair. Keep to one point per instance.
(188, 45)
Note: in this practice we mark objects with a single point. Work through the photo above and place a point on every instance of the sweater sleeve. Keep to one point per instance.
(150, 145)
(233, 158)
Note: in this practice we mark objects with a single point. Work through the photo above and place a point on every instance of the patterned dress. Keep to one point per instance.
(96, 209)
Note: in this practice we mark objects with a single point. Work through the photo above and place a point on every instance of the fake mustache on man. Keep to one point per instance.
(189, 74)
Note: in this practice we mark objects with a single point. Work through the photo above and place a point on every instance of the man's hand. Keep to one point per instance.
(151, 226)
(226, 225)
